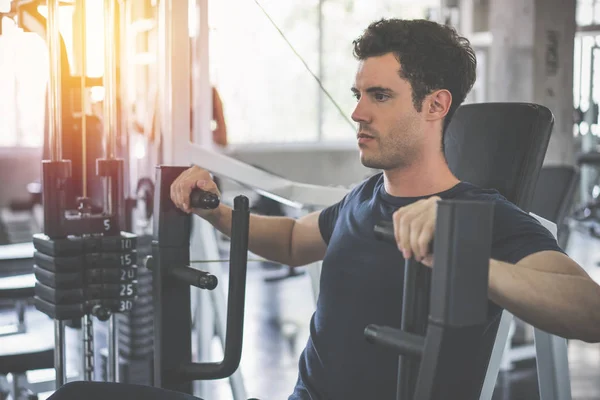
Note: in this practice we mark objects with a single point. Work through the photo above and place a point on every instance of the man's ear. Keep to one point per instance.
(438, 104)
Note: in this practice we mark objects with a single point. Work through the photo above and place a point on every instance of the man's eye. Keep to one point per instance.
(381, 96)
(356, 95)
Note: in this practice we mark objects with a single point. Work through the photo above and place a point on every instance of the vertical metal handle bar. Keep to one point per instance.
(54, 82)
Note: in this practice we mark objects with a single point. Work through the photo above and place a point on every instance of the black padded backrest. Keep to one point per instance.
(500, 146)
(554, 192)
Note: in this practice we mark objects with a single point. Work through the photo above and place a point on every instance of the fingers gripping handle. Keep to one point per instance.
(205, 200)
(384, 231)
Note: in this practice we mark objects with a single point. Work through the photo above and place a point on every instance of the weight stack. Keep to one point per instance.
(78, 275)
(136, 328)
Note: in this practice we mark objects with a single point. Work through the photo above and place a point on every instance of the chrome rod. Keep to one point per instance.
(113, 350)
(54, 82)
(110, 85)
(60, 365)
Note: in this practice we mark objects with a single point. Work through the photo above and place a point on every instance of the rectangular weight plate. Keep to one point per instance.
(141, 309)
(58, 264)
(139, 336)
(70, 280)
(142, 301)
(115, 305)
(111, 260)
(124, 242)
(60, 312)
(126, 320)
(145, 280)
(136, 352)
(147, 272)
(143, 290)
(136, 330)
(110, 275)
(139, 341)
(69, 246)
(60, 296)
(111, 291)
(138, 322)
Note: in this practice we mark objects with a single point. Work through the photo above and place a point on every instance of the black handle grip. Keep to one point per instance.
(205, 200)
(384, 231)
(415, 305)
(406, 343)
(195, 277)
(235, 303)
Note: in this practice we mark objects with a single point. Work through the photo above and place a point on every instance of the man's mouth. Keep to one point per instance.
(364, 138)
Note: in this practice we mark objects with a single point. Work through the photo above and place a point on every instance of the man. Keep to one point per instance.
(412, 75)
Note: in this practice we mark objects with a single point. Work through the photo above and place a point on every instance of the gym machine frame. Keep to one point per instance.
(85, 263)
(172, 278)
(456, 307)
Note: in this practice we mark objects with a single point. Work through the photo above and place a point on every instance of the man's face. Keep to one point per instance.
(389, 127)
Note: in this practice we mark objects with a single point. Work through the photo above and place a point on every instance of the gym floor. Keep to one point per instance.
(276, 329)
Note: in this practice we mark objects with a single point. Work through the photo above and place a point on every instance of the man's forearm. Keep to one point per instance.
(562, 304)
(269, 237)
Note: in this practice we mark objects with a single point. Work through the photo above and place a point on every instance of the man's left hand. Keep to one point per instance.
(414, 226)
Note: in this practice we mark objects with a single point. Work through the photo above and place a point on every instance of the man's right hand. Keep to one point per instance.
(189, 179)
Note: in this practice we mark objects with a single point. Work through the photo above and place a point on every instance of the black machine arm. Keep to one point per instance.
(172, 277)
(409, 339)
(235, 303)
(396, 339)
(444, 308)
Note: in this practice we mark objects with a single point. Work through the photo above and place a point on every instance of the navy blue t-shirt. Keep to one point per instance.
(361, 284)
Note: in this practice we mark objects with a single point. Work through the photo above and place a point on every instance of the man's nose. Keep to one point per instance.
(360, 113)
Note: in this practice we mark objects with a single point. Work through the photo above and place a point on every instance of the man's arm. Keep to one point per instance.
(550, 291)
(546, 289)
(280, 239)
(284, 240)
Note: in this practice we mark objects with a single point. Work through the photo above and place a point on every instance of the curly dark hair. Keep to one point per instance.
(432, 56)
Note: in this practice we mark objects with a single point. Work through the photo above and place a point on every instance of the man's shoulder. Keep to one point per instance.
(504, 209)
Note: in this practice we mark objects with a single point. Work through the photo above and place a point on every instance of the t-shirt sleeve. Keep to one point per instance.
(517, 234)
(328, 219)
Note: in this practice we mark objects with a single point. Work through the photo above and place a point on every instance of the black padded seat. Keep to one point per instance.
(16, 259)
(34, 349)
(19, 287)
(28, 351)
(116, 391)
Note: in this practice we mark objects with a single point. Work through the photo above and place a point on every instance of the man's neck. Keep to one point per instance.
(422, 178)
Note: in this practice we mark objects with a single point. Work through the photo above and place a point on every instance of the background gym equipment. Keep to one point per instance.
(85, 264)
(172, 277)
